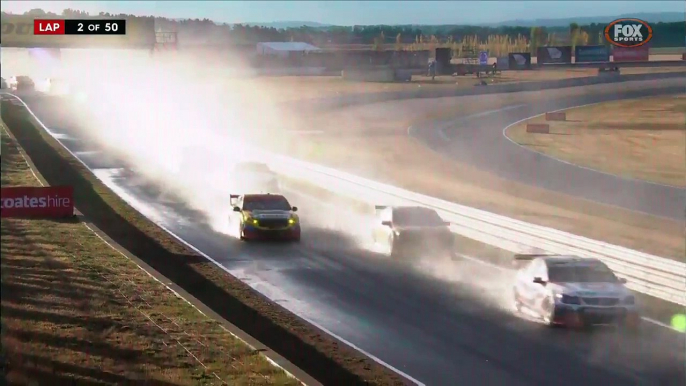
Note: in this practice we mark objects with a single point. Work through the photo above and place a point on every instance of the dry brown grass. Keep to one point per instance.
(321, 356)
(75, 311)
(292, 88)
(372, 141)
(641, 138)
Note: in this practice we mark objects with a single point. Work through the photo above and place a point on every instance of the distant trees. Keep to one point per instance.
(379, 41)
(537, 38)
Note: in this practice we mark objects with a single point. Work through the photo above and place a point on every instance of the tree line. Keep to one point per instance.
(205, 31)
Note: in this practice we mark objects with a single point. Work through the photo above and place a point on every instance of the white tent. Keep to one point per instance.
(284, 49)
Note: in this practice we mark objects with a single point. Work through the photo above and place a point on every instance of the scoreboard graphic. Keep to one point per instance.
(79, 27)
(27, 32)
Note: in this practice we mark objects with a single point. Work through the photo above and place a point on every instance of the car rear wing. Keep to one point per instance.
(233, 199)
(528, 256)
(379, 208)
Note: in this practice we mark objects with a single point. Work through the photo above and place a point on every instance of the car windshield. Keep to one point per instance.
(581, 274)
(416, 217)
(267, 202)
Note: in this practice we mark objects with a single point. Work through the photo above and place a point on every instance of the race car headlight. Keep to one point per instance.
(292, 220)
(630, 300)
(568, 299)
(254, 221)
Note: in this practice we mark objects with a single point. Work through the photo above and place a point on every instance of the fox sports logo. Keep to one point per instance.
(628, 33)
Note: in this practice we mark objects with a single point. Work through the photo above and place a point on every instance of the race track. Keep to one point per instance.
(443, 324)
(479, 140)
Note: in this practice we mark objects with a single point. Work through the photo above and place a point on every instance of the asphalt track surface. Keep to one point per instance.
(479, 140)
(443, 323)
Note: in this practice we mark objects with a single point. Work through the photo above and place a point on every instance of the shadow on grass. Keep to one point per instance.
(46, 371)
(41, 300)
(322, 358)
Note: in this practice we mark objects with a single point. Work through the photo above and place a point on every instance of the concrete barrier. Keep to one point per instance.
(556, 116)
(538, 128)
(361, 98)
(292, 71)
(369, 74)
(403, 75)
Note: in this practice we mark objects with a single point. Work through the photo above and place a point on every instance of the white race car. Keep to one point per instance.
(573, 291)
(21, 83)
(56, 86)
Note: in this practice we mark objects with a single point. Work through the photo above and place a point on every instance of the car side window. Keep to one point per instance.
(542, 270)
(534, 269)
(388, 215)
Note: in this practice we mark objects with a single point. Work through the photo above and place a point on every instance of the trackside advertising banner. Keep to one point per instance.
(519, 61)
(634, 54)
(586, 54)
(545, 55)
(50, 201)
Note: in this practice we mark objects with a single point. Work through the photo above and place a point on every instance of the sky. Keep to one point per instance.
(358, 12)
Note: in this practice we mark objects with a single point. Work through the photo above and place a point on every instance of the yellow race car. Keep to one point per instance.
(265, 217)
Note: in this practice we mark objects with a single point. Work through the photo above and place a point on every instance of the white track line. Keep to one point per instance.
(441, 129)
(353, 346)
(409, 132)
(573, 164)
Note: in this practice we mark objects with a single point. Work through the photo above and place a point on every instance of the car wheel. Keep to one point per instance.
(516, 302)
(392, 250)
(241, 235)
(548, 312)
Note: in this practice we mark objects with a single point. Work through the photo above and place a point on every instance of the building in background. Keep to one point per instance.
(285, 49)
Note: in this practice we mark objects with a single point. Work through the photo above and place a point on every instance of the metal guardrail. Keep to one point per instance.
(649, 274)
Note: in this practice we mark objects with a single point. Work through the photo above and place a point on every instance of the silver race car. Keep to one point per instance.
(573, 291)
(412, 231)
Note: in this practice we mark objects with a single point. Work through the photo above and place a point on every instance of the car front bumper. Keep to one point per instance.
(255, 233)
(581, 316)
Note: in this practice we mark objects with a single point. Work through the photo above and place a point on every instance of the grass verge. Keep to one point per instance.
(639, 138)
(76, 310)
(326, 359)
